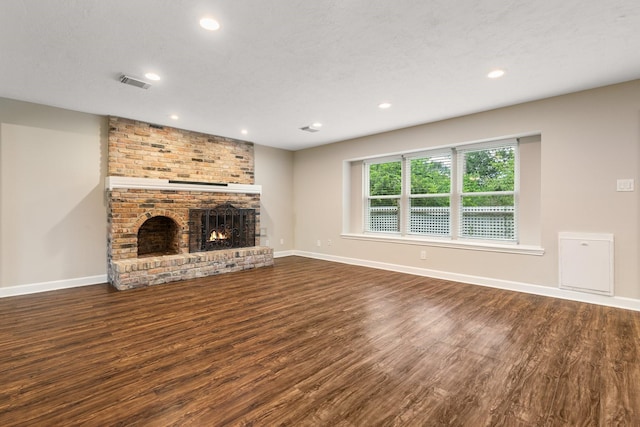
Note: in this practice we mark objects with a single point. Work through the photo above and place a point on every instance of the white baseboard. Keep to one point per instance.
(281, 254)
(549, 291)
(32, 288)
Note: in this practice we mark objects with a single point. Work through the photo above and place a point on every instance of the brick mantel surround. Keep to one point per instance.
(161, 171)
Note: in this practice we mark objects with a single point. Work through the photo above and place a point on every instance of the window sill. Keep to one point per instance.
(453, 244)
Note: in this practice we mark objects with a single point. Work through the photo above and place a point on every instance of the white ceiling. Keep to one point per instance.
(278, 65)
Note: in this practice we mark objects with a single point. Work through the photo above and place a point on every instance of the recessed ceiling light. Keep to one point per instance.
(174, 117)
(152, 76)
(209, 24)
(495, 74)
(316, 125)
(244, 131)
(384, 105)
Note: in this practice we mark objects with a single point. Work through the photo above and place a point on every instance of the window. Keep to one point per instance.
(430, 194)
(423, 194)
(384, 195)
(487, 178)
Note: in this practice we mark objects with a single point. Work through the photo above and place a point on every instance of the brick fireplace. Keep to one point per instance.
(157, 178)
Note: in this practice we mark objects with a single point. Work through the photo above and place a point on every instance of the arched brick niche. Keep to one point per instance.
(158, 235)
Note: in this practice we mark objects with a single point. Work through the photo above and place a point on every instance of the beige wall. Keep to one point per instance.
(589, 140)
(274, 171)
(52, 207)
(55, 160)
(53, 220)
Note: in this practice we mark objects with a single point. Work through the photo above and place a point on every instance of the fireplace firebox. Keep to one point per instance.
(222, 227)
(159, 235)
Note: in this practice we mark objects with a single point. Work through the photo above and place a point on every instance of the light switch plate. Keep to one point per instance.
(625, 185)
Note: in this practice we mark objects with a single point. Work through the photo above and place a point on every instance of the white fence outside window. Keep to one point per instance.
(485, 222)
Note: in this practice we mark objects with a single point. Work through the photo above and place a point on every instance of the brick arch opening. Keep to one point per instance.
(158, 235)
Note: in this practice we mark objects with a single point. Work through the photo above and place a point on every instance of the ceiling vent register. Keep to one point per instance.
(128, 80)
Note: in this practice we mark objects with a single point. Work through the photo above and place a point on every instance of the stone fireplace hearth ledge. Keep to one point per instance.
(143, 272)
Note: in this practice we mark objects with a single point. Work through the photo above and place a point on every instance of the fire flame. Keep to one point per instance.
(216, 235)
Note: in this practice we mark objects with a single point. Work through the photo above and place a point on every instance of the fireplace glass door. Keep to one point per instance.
(222, 227)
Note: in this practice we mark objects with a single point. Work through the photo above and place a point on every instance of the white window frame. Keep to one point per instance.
(455, 195)
(407, 190)
(367, 195)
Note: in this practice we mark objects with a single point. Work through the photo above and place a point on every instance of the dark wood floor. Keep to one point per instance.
(309, 343)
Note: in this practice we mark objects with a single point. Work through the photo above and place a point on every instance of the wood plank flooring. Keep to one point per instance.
(313, 343)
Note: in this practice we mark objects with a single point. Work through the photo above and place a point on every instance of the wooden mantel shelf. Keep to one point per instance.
(114, 182)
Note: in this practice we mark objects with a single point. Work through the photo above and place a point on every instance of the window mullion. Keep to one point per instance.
(405, 200)
(516, 188)
(365, 200)
(393, 196)
(426, 196)
(456, 198)
(490, 193)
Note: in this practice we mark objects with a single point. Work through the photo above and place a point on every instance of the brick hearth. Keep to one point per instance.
(139, 272)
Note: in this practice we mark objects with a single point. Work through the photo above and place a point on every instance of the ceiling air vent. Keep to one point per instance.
(309, 129)
(128, 80)
(313, 127)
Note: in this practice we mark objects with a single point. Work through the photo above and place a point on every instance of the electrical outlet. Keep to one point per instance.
(423, 254)
(319, 243)
(329, 242)
(281, 241)
(625, 185)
